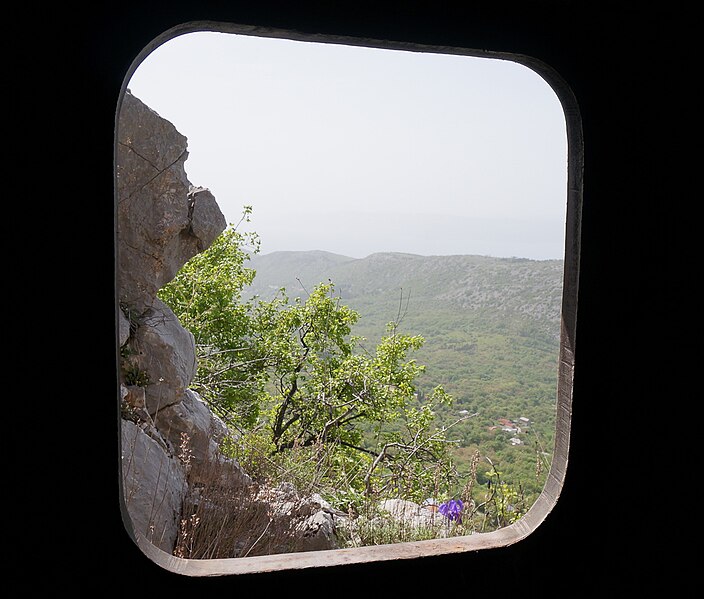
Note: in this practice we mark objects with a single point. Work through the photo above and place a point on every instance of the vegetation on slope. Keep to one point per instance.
(401, 376)
(491, 339)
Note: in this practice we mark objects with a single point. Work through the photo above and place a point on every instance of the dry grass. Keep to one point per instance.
(223, 520)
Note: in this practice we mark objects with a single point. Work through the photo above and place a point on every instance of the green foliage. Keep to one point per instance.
(491, 331)
(206, 296)
(317, 405)
(504, 503)
(335, 413)
(361, 403)
(373, 527)
(135, 376)
(252, 451)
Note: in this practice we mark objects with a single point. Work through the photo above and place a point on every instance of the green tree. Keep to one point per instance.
(330, 391)
(295, 367)
(206, 296)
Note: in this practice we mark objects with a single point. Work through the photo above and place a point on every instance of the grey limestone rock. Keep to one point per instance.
(191, 423)
(160, 224)
(154, 485)
(171, 461)
(164, 356)
(409, 512)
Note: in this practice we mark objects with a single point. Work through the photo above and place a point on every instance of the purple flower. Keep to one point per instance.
(452, 510)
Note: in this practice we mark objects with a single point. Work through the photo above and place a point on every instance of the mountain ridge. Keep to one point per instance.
(467, 282)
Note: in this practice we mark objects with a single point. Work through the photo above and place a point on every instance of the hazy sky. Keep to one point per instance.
(357, 150)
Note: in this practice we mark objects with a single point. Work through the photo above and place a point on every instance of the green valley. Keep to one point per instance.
(491, 328)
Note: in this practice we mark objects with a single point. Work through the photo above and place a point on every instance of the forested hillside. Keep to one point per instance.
(491, 329)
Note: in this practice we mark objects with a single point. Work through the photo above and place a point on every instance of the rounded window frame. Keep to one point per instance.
(549, 496)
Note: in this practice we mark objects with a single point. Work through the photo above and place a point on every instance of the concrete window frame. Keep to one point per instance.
(549, 496)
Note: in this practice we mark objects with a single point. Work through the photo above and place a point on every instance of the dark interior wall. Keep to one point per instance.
(611, 527)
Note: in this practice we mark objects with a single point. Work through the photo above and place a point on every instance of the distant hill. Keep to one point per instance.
(494, 287)
(491, 329)
(284, 269)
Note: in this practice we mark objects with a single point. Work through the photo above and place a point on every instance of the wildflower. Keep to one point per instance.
(452, 510)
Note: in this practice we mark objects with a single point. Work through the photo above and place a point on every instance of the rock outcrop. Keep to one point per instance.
(162, 220)
(170, 437)
(410, 513)
(149, 473)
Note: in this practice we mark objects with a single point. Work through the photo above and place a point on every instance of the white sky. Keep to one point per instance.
(357, 150)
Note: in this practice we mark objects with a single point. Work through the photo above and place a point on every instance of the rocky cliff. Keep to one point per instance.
(170, 438)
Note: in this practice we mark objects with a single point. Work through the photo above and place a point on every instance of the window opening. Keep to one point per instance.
(348, 326)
